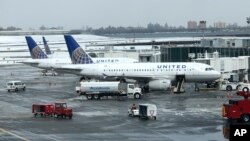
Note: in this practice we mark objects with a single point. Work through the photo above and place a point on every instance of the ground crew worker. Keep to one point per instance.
(229, 95)
(133, 107)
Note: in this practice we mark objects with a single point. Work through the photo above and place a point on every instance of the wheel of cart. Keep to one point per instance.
(56, 116)
(152, 114)
(245, 118)
(245, 89)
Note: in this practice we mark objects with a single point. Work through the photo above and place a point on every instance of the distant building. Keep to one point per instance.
(192, 25)
(220, 24)
(203, 24)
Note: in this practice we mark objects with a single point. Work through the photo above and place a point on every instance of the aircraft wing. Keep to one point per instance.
(68, 69)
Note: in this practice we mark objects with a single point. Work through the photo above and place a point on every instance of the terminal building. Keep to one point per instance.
(226, 47)
(230, 56)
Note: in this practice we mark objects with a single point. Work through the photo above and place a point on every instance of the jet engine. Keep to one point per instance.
(161, 84)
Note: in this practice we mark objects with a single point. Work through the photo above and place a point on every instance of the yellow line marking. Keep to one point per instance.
(14, 135)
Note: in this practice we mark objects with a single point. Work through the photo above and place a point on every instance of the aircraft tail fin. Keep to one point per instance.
(46, 46)
(35, 51)
(77, 54)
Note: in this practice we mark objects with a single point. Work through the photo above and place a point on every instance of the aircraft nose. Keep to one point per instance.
(217, 75)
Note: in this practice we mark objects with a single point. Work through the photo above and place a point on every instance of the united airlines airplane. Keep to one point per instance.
(46, 47)
(41, 60)
(157, 75)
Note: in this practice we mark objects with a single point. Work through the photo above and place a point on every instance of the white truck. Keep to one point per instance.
(15, 86)
(96, 90)
(225, 85)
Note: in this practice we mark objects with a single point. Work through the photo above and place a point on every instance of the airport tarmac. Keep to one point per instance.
(192, 116)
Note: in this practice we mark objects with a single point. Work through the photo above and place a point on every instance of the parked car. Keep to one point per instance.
(15, 86)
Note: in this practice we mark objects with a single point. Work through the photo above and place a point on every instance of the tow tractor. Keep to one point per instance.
(144, 111)
(238, 109)
(58, 109)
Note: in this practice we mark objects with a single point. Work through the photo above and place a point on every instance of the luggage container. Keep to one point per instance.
(147, 111)
(43, 109)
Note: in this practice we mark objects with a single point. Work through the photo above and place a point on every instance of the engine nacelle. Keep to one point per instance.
(161, 84)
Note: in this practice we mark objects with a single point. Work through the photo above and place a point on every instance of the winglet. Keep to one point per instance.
(77, 54)
(46, 46)
(35, 51)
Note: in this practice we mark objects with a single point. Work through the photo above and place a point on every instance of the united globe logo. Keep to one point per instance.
(80, 57)
(38, 53)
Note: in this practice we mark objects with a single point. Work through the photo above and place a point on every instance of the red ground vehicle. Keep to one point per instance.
(57, 110)
(238, 109)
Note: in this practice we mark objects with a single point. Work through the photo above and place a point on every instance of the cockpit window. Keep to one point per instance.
(209, 69)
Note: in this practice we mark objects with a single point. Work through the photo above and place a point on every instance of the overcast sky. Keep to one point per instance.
(96, 13)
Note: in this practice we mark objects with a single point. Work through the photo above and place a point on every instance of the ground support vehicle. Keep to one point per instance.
(43, 109)
(96, 90)
(15, 86)
(238, 109)
(133, 111)
(147, 111)
(49, 73)
(225, 85)
(206, 86)
(58, 109)
(61, 110)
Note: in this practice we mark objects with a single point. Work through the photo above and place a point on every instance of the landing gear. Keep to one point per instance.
(82, 79)
(145, 89)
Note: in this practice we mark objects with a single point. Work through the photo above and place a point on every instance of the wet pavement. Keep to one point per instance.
(192, 116)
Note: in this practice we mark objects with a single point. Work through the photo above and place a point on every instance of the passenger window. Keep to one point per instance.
(131, 86)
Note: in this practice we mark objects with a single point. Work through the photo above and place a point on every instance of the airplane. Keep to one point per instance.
(41, 60)
(46, 47)
(158, 76)
(81, 57)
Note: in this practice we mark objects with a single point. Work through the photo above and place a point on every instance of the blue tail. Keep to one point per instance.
(77, 54)
(35, 51)
(46, 46)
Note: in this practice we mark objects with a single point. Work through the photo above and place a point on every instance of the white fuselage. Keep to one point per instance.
(55, 62)
(193, 72)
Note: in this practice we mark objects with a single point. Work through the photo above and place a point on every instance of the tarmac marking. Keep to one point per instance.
(14, 135)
